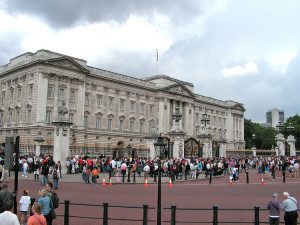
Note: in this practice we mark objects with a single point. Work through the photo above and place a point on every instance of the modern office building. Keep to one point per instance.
(274, 117)
(111, 113)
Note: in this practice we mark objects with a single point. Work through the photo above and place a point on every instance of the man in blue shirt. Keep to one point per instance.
(289, 205)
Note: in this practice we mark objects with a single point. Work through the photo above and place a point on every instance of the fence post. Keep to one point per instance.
(215, 215)
(67, 212)
(105, 213)
(256, 215)
(173, 214)
(145, 214)
(283, 176)
(247, 177)
(210, 176)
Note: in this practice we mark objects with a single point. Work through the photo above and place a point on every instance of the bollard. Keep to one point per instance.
(145, 214)
(173, 215)
(256, 215)
(134, 177)
(15, 203)
(123, 177)
(247, 177)
(210, 177)
(185, 175)
(128, 177)
(105, 213)
(283, 176)
(67, 212)
(155, 176)
(215, 215)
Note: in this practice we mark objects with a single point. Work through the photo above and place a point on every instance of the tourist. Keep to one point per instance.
(7, 217)
(95, 175)
(274, 210)
(25, 168)
(289, 205)
(37, 218)
(55, 176)
(5, 196)
(24, 206)
(47, 206)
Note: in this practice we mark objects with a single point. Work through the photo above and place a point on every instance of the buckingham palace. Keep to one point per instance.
(109, 113)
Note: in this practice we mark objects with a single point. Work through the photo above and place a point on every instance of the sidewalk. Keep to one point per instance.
(76, 178)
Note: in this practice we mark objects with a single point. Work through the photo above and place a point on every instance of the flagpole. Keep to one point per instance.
(156, 61)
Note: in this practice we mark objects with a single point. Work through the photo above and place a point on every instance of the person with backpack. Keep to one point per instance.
(274, 210)
(5, 196)
(289, 205)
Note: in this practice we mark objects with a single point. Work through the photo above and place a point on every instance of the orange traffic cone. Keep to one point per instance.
(262, 182)
(230, 182)
(110, 183)
(170, 183)
(146, 183)
(103, 182)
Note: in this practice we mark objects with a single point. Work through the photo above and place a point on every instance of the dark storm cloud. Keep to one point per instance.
(69, 12)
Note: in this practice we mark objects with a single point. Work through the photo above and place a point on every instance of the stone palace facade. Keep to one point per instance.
(112, 114)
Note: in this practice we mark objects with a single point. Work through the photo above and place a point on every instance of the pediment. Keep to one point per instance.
(239, 107)
(179, 89)
(67, 62)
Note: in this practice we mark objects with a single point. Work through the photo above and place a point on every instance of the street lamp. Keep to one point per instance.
(290, 128)
(159, 149)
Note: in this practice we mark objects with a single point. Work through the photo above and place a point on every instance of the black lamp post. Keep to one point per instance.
(159, 149)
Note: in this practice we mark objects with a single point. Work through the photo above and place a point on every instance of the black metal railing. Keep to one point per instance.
(213, 215)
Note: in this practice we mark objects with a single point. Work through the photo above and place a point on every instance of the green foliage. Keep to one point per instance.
(265, 136)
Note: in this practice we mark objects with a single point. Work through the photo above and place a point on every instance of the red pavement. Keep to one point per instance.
(190, 194)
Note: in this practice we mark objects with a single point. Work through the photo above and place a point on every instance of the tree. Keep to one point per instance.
(293, 121)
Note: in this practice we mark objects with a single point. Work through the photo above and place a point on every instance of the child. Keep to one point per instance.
(87, 176)
(24, 206)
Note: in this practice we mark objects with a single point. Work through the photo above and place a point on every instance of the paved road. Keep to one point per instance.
(187, 194)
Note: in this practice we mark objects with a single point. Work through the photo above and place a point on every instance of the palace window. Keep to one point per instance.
(122, 101)
(30, 91)
(142, 107)
(10, 117)
(29, 116)
(142, 122)
(99, 99)
(11, 98)
(151, 110)
(61, 94)
(109, 124)
(110, 102)
(86, 121)
(86, 99)
(132, 106)
(3, 96)
(121, 123)
(50, 91)
(48, 116)
(1, 119)
(98, 123)
(72, 96)
(131, 124)
(71, 117)
(18, 116)
(19, 93)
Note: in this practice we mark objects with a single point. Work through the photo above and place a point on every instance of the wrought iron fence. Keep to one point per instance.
(214, 215)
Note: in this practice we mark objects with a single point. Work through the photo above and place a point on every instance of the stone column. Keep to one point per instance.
(280, 144)
(207, 149)
(178, 144)
(254, 151)
(276, 151)
(38, 149)
(61, 143)
(222, 150)
(150, 145)
(291, 141)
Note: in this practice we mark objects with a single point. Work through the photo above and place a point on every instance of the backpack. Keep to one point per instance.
(2, 203)
(55, 200)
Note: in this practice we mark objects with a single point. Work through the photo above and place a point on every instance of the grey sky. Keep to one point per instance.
(247, 51)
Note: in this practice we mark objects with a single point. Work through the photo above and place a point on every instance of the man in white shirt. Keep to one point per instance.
(7, 217)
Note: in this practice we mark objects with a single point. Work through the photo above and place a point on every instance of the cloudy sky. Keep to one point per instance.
(246, 51)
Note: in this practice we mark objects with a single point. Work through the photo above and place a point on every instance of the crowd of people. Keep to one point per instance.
(41, 212)
(46, 170)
